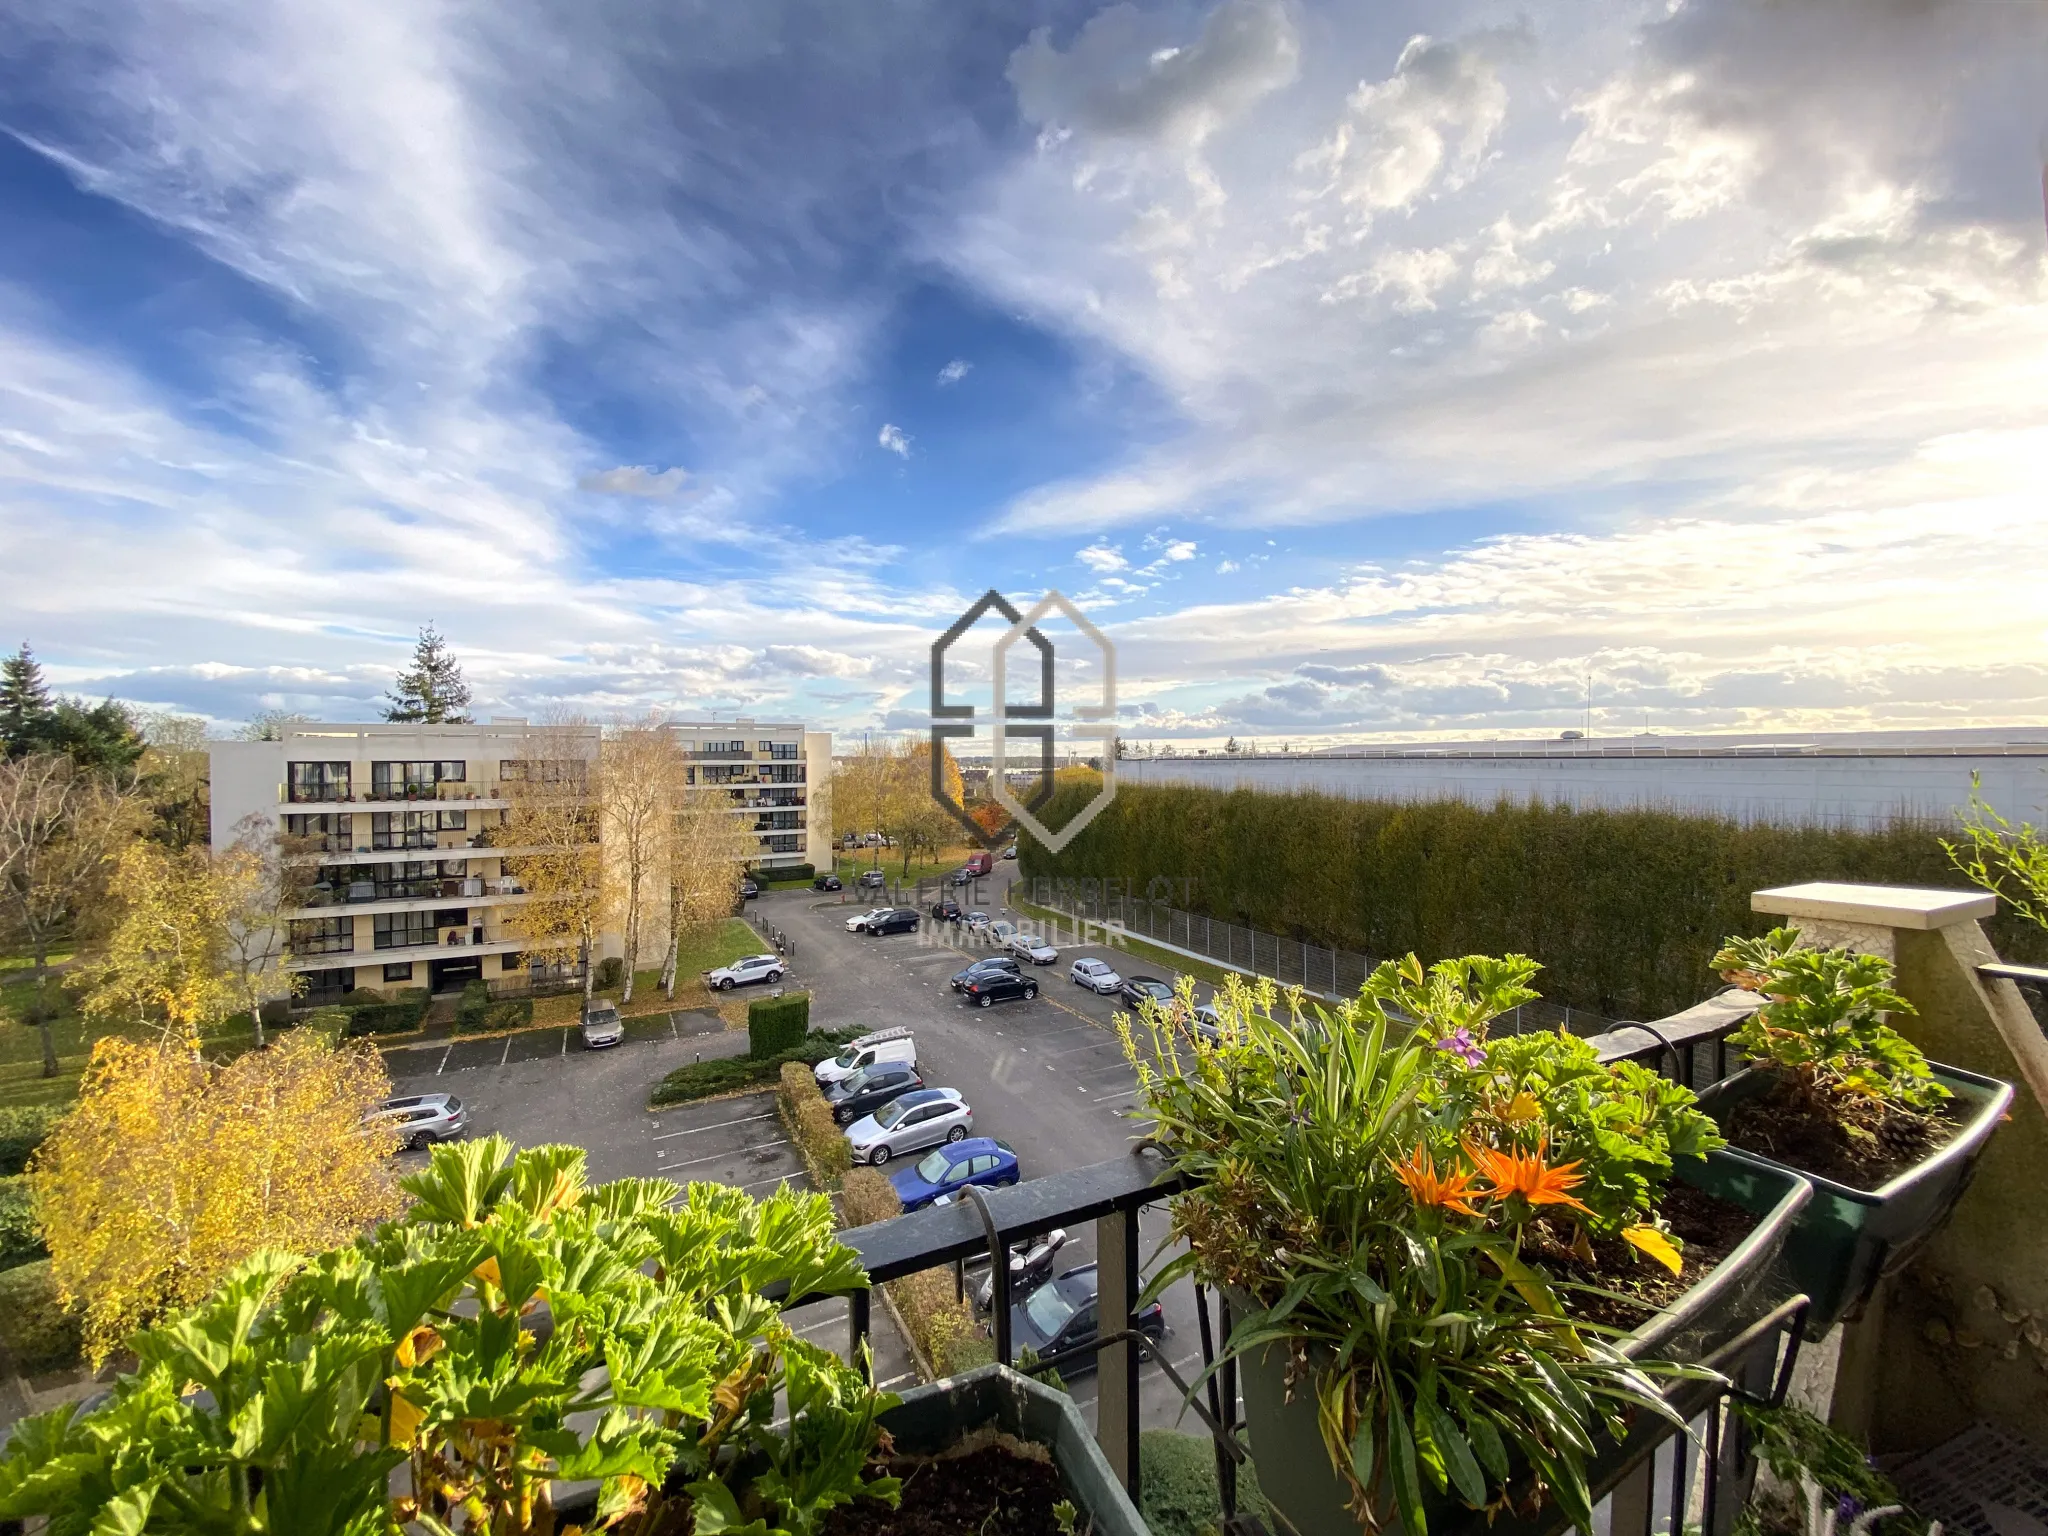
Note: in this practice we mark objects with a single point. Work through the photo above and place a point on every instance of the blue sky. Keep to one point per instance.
(1364, 371)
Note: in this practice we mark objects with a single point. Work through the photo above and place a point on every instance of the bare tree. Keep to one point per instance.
(553, 809)
(60, 831)
(266, 875)
(707, 853)
(861, 787)
(642, 779)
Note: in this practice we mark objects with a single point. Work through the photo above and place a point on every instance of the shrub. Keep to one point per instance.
(611, 971)
(1177, 1484)
(777, 1024)
(480, 1013)
(378, 1016)
(808, 1119)
(866, 1196)
(21, 1237)
(38, 1330)
(942, 1324)
(22, 1129)
(727, 1074)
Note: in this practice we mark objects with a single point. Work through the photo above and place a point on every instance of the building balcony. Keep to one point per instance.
(357, 957)
(467, 851)
(374, 802)
(450, 891)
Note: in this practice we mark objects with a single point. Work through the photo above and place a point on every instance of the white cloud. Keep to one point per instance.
(1227, 567)
(1179, 549)
(636, 480)
(954, 372)
(1101, 558)
(895, 439)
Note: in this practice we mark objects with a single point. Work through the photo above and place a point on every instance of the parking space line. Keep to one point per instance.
(441, 1065)
(896, 1381)
(830, 1322)
(780, 1178)
(1120, 1066)
(721, 1125)
(505, 1054)
(1111, 1098)
(719, 1156)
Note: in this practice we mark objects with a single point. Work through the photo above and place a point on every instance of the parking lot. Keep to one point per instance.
(1046, 1075)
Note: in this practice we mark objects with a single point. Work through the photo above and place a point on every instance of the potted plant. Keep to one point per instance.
(519, 1343)
(1450, 1256)
(1887, 1139)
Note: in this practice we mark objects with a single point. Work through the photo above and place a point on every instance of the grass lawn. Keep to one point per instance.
(16, 964)
(850, 863)
(21, 1046)
(719, 945)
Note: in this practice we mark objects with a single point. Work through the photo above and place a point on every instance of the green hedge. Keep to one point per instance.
(611, 972)
(1624, 908)
(702, 1079)
(776, 1024)
(21, 1240)
(1177, 1484)
(22, 1129)
(786, 874)
(39, 1334)
(479, 1013)
(379, 1016)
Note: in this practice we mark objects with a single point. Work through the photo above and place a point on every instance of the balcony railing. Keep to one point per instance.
(1697, 1480)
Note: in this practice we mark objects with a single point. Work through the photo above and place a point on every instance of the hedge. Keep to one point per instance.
(1177, 1484)
(39, 1334)
(1624, 908)
(22, 1129)
(808, 1119)
(786, 874)
(727, 1074)
(379, 1015)
(479, 1013)
(777, 1024)
(611, 971)
(942, 1324)
(21, 1239)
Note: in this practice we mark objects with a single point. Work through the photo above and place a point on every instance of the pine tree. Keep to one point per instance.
(25, 706)
(431, 691)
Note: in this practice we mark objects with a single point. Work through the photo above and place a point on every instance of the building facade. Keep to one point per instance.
(409, 889)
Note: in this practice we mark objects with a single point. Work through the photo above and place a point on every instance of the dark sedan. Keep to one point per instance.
(896, 920)
(1060, 1314)
(869, 1089)
(1140, 990)
(946, 911)
(997, 987)
(995, 965)
(826, 883)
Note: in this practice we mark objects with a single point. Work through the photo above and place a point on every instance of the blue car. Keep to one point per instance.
(946, 1170)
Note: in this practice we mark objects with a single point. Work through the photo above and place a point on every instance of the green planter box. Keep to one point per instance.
(1848, 1239)
(1286, 1442)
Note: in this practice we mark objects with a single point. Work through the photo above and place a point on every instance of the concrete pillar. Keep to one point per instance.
(1962, 1333)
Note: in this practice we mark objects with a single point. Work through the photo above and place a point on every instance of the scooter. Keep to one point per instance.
(1029, 1268)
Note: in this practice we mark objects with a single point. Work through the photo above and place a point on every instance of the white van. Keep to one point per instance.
(883, 1045)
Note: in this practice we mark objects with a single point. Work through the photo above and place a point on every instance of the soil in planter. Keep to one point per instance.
(993, 1485)
(1709, 1227)
(1780, 1123)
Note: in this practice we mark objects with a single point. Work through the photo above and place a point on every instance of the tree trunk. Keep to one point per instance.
(589, 968)
(668, 964)
(44, 1023)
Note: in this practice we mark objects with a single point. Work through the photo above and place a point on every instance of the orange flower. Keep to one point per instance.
(1514, 1173)
(1451, 1190)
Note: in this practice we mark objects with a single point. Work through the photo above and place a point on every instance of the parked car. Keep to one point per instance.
(978, 863)
(602, 1026)
(998, 987)
(947, 1170)
(895, 920)
(421, 1118)
(1033, 948)
(1010, 852)
(993, 965)
(918, 1119)
(977, 921)
(1140, 990)
(1001, 933)
(896, 1045)
(961, 877)
(858, 923)
(826, 883)
(1096, 976)
(869, 1089)
(749, 888)
(946, 911)
(1060, 1315)
(871, 880)
(745, 972)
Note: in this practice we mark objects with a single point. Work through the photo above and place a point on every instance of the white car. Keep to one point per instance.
(859, 920)
(422, 1119)
(924, 1117)
(744, 972)
(1096, 976)
(1029, 946)
(976, 921)
(1002, 933)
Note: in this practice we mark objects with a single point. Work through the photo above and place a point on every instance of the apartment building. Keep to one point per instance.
(409, 892)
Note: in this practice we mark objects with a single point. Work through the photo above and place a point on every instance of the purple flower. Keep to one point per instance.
(1848, 1507)
(1459, 1043)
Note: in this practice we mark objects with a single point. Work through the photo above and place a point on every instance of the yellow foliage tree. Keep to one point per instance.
(172, 1170)
(705, 856)
(166, 962)
(554, 810)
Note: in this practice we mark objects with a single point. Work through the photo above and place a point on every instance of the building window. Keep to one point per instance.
(453, 821)
(403, 930)
(322, 935)
(511, 961)
(317, 781)
(330, 833)
(398, 781)
(782, 775)
(401, 971)
(328, 984)
(403, 829)
(572, 770)
(785, 749)
(783, 843)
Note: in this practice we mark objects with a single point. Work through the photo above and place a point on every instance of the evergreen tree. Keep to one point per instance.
(431, 691)
(25, 708)
(101, 736)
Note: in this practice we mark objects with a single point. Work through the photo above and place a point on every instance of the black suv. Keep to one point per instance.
(869, 1089)
(995, 965)
(1061, 1315)
(997, 987)
(947, 911)
(825, 883)
(1140, 990)
(899, 920)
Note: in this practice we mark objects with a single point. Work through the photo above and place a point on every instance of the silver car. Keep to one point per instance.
(923, 1117)
(422, 1118)
(602, 1026)
(1029, 946)
(1096, 976)
(859, 921)
(745, 972)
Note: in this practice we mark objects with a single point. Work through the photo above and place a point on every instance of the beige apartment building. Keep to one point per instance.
(408, 891)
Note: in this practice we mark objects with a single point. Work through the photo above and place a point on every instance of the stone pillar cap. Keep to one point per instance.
(1882, 906)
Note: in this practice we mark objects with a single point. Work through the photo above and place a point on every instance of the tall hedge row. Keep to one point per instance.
(1624, 908)
(777, 1024)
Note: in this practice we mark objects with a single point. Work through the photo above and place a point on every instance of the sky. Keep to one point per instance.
(1362, 371)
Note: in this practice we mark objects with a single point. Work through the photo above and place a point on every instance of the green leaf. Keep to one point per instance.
(718, 1512)
(1363, 1447)
(1457, 1456)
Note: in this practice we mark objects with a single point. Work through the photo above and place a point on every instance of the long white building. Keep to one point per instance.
(409, 892)
(1853, 779)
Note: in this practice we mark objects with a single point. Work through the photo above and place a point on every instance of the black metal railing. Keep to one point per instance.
(1697, 1480)
(2032, 980)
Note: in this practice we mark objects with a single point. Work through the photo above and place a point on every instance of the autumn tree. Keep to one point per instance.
(862, 782)
(643, 778)
(167, 961)
(707, 853)
(60, 831)
(266, 875)
(917, 822)
(173, 1169)
(430, 691)
(174, 775)
(553, 813)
